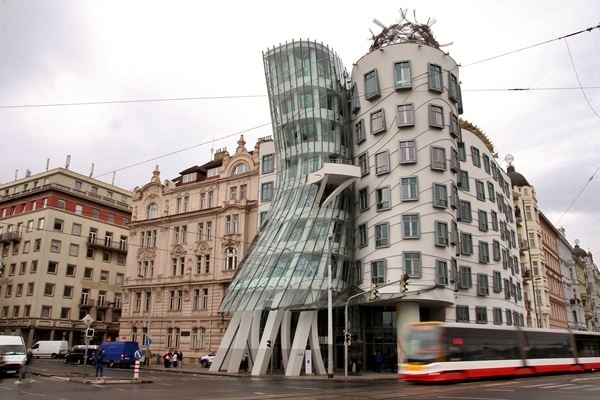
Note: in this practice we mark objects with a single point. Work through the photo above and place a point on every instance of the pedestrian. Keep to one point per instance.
(167, 359)
(174, 358)
(393, 361)
(180, 358)
(23, 369)
(379, 361)
(244, 363)
(99, 360)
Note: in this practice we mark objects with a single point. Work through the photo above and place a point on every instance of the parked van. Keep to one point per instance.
(12, 354)
(50, 348)
(120, 354)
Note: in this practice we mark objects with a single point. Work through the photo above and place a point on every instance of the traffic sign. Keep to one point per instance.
(138, 354)
(148, 341)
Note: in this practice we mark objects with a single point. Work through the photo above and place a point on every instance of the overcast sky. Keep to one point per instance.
(55, 53)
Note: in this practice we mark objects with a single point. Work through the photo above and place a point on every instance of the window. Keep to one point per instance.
(61, 204)
(402, 75)
(441, 272)
(363, 163)
(436, 116)
(383, 198)
(483, 220)
(509, 319)
(463, 180)
(382, 162)
(371, 85)
(465, 211)
(481, 314)
(88, 273)
(363, 198)
(46, 312)
(480, 187)
(441, 233)
(454, 202)
(377, 122)
(363, 236)
(476, 156)
(103, 276)
(74, 250)
(405, 115)
(70, 270)
(407, 151)
(49, 289)
(410, 188)
(494, 220)
(95, 213)
(359, 131)
(484, 252)
(190, 177)
(465, 278)
(378, 272)
(454, 125)
(454, 162)
(68, 292)
(58, 224)
(382, 235)
(497, 316)
(462, 153)
(486, 163)
(152, 211)
(497, 281)
(412, 263)
(440, 195)
(410, 226)
(76, 230)
(52, 267)
(240, 169)
(355, 99)
(466, 241)
(436, 81)
(438, 158)
(453, 88)
(266, 191)
(230, 258)
(268, 163)
(233, 193)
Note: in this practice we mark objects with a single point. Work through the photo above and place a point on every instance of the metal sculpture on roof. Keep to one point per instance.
(404, 31)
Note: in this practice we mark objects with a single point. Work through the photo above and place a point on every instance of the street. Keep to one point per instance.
(177, 385)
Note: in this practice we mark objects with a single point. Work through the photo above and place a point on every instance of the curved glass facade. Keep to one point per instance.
(286, 265)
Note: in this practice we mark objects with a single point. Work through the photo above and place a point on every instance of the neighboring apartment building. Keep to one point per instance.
(64, 243)
(573, 276)
(590, 293)
(188, 236)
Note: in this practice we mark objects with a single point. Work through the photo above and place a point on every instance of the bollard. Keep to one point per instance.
(136, 370)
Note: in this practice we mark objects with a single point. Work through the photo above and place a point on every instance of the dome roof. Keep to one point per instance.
(579, 252)
(516, 178)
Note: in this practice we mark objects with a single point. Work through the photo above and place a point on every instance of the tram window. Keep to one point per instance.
(547, 344)
(465, 344)
(587, 345)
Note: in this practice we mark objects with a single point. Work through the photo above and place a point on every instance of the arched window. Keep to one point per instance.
(230, 258)
(240, 169)
(152, 211)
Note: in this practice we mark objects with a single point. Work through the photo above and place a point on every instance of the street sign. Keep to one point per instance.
(148, 341)
(138, 354)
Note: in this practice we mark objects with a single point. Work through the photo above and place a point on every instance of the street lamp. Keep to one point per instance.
(148, 361)
(329, 314)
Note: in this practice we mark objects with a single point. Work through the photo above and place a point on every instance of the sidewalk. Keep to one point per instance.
(277, 373)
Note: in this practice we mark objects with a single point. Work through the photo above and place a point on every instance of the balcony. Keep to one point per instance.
(109, 245)
(86, 303)
(8, 237)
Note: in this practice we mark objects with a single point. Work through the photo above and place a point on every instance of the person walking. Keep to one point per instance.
(180, 358)
(99, 359)
(379, 361)
(23, 369)
(175, 359)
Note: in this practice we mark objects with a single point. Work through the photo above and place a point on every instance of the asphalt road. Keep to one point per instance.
(55, 384)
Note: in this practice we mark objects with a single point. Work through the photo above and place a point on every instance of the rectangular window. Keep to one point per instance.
(462, 314)
(494, 220)
(497, 281)
(465, 278)
(463, 180)
(378, 272)
(359, 131)
(480, 187)
(465, 211)
(412, 263)
(371, 85)
(453, 88)
(410, 188)
(233, 193)
(483, 220)
(363, 198)
(382, 162)
(405, 115)
(441, 272)
(441, 233)
(49, 289)
(58, 224)
(438, 158)
(74, 250)
(436, 116)
(52, 267)
(377, 121)
(462, 153)
(436, 80)
(363, 163)
(481, 315)
(454, 126)
(268, 163)
(402, 75)
(497, 316)
(466, 241)
(496, 250)
(476, 156)
(454, 162)
(363, 236)
(410, 226)
(383, 198)
(440, 195)
(382, 235)
(407, 151)
(484, 252)
(266, 191)
(46, 312)
(355, 99)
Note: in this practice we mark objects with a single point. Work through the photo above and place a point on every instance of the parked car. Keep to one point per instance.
(120, 354)
(50, 348)
(77, 354)
(207, 360)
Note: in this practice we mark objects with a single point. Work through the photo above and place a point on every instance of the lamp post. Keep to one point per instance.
(329, 314)
(346, 332)
(148, 361)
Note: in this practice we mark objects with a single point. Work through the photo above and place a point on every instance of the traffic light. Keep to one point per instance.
(89, 333)
(404, 283)
(269, 344)
(374, 293)
(348, 338)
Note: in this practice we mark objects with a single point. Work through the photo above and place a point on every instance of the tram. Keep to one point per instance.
(454, 352)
